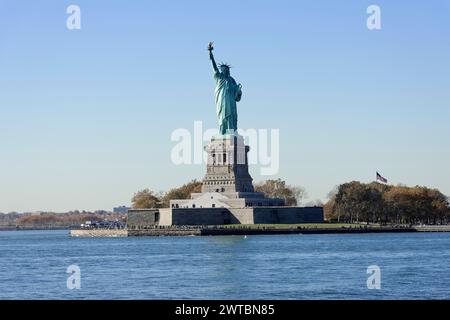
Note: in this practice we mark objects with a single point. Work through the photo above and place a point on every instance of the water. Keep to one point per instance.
(33, 265)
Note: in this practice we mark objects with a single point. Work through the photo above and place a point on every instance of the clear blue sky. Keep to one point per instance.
(86, 115)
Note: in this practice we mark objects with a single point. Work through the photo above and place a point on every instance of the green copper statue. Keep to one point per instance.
(228, 92)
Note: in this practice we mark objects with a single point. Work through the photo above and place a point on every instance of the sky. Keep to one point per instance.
(86, 116)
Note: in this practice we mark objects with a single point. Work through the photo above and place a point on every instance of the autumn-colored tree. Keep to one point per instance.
(62, 220)
(374, 202)
(39, 220)
(417, 205)
(292, 195)
(145, 199)
(183, 192)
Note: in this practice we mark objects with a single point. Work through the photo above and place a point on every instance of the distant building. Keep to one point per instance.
(121, 209)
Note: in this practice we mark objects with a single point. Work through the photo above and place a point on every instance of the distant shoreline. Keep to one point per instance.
(14, 228)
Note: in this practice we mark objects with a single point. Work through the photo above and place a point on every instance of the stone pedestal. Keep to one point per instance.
(227, 183)
(227, 196)
(227, 166)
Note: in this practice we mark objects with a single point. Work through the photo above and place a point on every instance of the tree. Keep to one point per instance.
(329, 211)
(292, 195)
(183, 192)
(145, 199)
(374, 202)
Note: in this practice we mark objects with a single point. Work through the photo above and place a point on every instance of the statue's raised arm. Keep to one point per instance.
(211, 56)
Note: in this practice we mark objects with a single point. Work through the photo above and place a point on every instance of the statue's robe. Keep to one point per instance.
(227, 94)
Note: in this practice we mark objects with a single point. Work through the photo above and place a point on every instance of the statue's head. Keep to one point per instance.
(225, 69)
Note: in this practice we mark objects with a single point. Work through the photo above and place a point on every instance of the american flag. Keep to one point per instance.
(381, 178)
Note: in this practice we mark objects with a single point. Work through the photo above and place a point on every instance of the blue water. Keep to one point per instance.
(33, 265)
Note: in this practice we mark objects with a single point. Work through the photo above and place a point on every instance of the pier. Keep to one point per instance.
(99, 233)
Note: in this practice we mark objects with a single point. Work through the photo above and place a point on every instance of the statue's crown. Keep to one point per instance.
(226, 65)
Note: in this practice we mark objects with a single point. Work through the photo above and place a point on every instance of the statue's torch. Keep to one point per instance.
(210, 46)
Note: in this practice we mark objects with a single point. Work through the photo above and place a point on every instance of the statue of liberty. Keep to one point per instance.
(228, 93)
